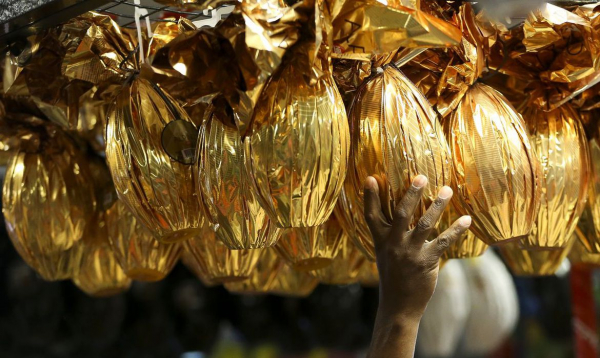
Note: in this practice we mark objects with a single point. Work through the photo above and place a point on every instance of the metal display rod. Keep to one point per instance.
(20, 19)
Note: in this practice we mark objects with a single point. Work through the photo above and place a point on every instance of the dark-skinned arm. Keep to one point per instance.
(408, 263)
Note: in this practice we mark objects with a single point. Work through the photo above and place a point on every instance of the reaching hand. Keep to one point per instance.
(408, 264)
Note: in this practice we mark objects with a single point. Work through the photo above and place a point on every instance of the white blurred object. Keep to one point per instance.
(444, 320)
(510, 12)
(494, 305)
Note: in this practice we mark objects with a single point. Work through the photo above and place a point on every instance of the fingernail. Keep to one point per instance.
(370, 182)
(445, 193)
(465, 221)
(420, 181)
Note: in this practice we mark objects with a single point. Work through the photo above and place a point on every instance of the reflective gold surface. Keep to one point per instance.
(196, 268)
(579, 254)
(346, 216)
(464, 247)
(230, 202)
(589, 238)
(156, 185)
(100, 274)
(496, 176)
(142, 257)
(369, 26)
(298, 147)
(216, 262)
(395, 137)
(47, 202)
(292, 283)
(311, 248)
(561, 147)
(344, 268)
(537, 262)
(594, 191)
(263, 276)
(369, 275)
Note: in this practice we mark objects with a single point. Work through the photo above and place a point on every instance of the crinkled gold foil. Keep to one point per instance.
(538, 262)
(345, 267)
(311, 248)
(344, 212)
(156, 185)
(292, 283)
(100, 274)
(561, 147)
(298, 147)
(142, 257)
(230, 202)
(368, 26)
(47, 202)
(496, 176)
(464, 247)
(192, 264)
(369, 275)
(216, 262)
(395, 137)
(589, 238)
(263, 276)
(579, 254)
(594, 190)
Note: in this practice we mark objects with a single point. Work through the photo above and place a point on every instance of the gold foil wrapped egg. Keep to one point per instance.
(140, 254)
(593, 214)
(298, 146)
(347, 218)
(589, 238)
(344, 268)
(47, 202)
(100, 274)
(311, 248)
(561, 147)
(263, 276)
(395, 137)
(194, 266)
(496, 173)
(579, 254)
(539, 262)
(216, 262)
(464, 247)
(150, 150)
(369, 275)
(230, 202)
(292, 283)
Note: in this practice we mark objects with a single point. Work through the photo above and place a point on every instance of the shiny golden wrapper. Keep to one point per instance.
(263, 276)
(216, 262)
(594, 192)
(298, 148)
(311, 248)
(191, 264)
(589, 238)
(368, 26)
(539, 262)
(150, 151)
(345, 267)
(141, 256)
(579, 253)
(291, 283)
(464, 247)
(496, 176)
(100, 274)
(369, 275)
(395, 137)
(346, 216)
(47, 202)
(561, 147)
(231, 204)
